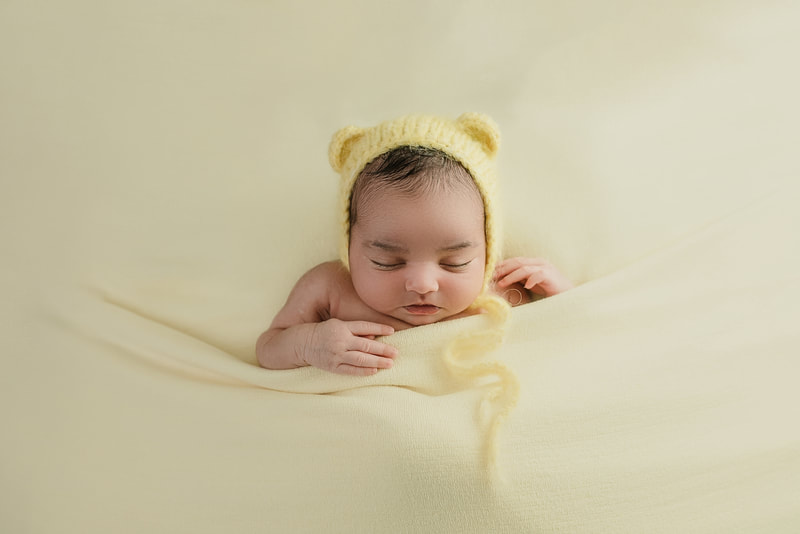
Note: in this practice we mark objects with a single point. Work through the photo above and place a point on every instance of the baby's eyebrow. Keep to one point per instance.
(398, 249)
(458, 246)
(388, 247)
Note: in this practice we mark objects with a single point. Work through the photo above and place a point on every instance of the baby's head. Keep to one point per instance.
(411, 171)
(417, 197)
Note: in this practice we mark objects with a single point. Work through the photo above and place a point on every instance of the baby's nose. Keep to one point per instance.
(422, 280)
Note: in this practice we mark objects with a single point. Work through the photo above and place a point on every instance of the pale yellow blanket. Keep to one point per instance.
(164, 183)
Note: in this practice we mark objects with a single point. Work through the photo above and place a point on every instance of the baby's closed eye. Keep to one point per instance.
(387, 265)
(455, 264)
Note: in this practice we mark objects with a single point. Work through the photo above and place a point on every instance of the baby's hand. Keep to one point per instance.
(349, 347)
(535, 274)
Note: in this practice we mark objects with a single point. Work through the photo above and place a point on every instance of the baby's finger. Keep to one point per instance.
(530, 274)
(363, 359)
(535, 280)
(512, 264)
(367, 328)
(370, 346)
(504, 267)
(352, 370)
(550, 286)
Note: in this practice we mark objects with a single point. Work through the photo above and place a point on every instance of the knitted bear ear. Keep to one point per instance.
(341, 144)
(483, 129)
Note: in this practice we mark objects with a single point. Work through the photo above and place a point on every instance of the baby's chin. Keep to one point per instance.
(422, 321)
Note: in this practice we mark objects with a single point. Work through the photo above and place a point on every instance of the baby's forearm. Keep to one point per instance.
(282, 348)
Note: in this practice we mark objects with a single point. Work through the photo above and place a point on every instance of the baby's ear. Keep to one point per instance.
(341, 144)
(483, 129)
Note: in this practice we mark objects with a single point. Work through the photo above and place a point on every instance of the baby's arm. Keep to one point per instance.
(536, 275)
(298, 336)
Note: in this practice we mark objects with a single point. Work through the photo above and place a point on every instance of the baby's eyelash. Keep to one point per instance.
(390, 266)
(385, 266)
(456, 265)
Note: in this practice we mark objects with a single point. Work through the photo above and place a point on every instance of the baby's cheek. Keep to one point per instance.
(468, 288)
(378, 291)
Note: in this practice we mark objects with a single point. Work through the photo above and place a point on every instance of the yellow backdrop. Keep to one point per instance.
(165, 181)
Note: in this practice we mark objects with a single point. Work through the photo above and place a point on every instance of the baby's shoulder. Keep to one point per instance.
(326, 274)
(330, 292)
(324, 282)
(329, 289)
(313, 296)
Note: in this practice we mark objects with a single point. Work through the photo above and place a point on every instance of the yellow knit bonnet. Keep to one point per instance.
(473, 140)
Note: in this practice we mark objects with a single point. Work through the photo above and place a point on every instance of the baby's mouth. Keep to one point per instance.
(421, 309)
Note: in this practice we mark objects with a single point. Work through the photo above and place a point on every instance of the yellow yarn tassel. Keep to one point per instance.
(481, 342)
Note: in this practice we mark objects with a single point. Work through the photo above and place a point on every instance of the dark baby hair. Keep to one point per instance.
(410, 170)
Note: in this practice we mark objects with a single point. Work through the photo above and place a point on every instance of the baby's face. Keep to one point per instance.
(419, 259)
